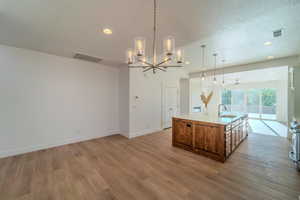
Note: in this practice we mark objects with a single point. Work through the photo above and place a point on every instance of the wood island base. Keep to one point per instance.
(214, 140)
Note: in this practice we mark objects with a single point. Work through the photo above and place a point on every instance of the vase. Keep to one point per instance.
(205, 110)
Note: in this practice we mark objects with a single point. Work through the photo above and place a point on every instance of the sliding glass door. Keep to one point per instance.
(258, 103)
(268, 101)
(238, 101)
(253, 103)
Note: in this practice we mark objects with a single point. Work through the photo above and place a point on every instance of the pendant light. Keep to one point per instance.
(203, 55)
(237, 81)
(223, 79)
(215, 78)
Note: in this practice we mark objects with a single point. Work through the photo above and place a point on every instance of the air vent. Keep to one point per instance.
(87, 58)
(277, 33)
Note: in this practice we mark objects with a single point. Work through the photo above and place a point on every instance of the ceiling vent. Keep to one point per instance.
(87, 58)
(277, 33)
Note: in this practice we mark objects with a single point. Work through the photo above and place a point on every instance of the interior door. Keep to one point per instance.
(171, 105)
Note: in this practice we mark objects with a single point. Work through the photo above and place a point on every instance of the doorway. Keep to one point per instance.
(171, 105)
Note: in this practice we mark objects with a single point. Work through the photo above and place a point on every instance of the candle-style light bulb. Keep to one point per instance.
(179, 55)
(169, 46)
(139, 46)
(129, 56)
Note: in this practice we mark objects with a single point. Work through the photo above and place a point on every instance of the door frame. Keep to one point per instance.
(165, 85)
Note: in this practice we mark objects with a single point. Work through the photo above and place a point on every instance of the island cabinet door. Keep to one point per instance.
(209, 138)
(182, 132)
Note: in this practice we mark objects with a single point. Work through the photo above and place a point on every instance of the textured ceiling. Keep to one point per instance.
(236, 29)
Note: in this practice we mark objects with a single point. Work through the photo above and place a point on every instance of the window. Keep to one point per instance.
(238, 101)
(258, 103)
(226, 97)
(253, 99)
(268, 102)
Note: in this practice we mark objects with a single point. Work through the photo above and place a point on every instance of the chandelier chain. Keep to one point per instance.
(203, 55)
(154, 33)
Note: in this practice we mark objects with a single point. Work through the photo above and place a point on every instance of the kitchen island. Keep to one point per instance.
(210, 135)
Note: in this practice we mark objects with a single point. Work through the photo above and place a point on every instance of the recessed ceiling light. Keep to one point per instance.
(107, 31)
(268, 43)
(270, 57)
(187, 62)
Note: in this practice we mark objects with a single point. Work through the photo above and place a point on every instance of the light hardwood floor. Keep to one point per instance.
(148, 167)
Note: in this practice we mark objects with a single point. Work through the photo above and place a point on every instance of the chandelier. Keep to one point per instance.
(137, 59)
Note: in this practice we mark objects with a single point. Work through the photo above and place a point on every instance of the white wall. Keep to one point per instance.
(47, 100)
(124, 101)
(184, 96)
(197, 87)
(297, 91)
(146, 99)
(196, 91)
(291, 96)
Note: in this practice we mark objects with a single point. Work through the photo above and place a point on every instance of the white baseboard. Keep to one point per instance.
(125, 134)
(143, 132)
(17, 151)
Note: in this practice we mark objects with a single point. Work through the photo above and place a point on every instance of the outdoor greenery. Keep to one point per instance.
(268, 97)
(256, 99)
(253, 97)
(226, 97)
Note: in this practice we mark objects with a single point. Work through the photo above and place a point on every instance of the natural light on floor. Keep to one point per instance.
(268, 127)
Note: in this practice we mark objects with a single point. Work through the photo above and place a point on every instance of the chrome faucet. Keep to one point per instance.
(219, 108)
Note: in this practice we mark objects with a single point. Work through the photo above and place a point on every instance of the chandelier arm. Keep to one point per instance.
(177, 66)
(137, 66)
(149, 64)
(163, 62)
(149, 68)
(160, 69)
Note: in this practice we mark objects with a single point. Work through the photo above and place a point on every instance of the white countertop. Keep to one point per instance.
(210, 118)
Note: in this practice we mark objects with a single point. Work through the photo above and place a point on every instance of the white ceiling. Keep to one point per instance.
(235, 29)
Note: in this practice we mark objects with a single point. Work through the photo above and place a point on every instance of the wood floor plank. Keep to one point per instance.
(149, 167)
